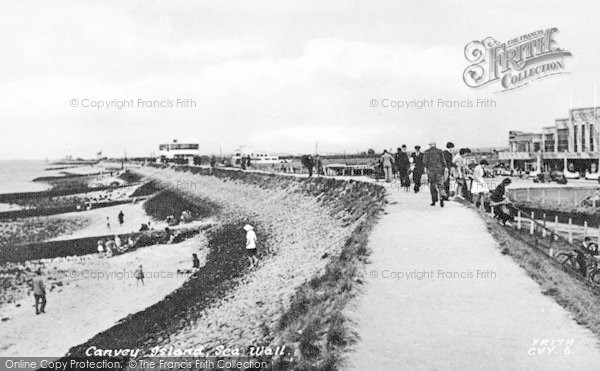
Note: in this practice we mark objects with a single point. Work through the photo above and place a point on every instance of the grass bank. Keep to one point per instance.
(568, 290)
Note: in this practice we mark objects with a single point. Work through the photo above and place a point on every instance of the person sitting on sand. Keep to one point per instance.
(118, 241)
(251, 245)
(39, 293)
(144, 227)
(139, 275)
(110, 247)
(100, 246)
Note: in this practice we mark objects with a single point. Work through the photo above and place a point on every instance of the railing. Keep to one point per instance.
(550, 238)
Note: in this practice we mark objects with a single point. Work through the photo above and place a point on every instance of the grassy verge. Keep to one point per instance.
(315, 324)
(569, 291)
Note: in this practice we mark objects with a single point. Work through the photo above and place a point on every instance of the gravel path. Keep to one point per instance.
(456, 323)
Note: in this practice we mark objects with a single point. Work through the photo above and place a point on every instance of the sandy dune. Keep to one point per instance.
(85, 306)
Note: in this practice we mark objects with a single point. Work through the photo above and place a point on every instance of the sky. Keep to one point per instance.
(278, 76)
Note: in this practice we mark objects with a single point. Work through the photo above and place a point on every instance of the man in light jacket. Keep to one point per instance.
(387, 161)
(39, 293)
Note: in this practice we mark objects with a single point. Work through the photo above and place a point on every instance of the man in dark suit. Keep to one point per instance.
(403, 164)
(434, 162)
(448, 159)
(417, 157)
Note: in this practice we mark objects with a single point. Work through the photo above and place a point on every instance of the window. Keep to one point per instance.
(563, 139)
(582, 137)
(592, 135)
(549, 143)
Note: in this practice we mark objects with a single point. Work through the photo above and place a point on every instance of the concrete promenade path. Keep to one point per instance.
(472, 308)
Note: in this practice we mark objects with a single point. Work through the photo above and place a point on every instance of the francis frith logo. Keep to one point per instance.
(514, 63)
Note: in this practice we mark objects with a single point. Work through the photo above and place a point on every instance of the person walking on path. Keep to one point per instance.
(309, 163)
(387, 161)
(319, 165)
(213, 163)
(121, 217)
(480, 188)
(195, 261)
(417, 157)
(251, 245)
(449, 165)
(403, 165)
(434, 162)
(39, 293)
(139, 275)
(108, 223)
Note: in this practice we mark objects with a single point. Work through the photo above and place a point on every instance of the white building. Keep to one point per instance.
(179, 152)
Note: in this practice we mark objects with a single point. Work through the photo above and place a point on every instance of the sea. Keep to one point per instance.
(17, 176)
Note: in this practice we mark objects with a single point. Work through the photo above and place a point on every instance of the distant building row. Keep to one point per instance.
(573, 140)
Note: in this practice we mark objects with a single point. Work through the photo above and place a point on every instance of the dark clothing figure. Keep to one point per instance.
(498, 193)
(308, 162)
(402, 166)
(448, 159)
(213, 162)
(121, 217)
(195, 261)
(418, 170)
(502, 212)
(319, 165)
(433, 160)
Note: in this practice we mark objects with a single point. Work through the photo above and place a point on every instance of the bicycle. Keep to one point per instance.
(578, 260)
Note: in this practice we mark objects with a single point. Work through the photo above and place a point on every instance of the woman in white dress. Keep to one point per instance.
(479, 189)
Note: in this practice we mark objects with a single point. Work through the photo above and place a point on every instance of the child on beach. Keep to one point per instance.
(139, 275)
(251, 245)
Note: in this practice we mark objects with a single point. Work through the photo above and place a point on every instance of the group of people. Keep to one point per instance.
(313, 163)
(449, 174)
(111, 246)
(245, 162)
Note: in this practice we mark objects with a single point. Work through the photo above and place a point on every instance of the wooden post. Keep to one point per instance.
(556, 227)
(531, 224)
(528, 196)
(558, 196)
(544, 229)
(585, 226)
(570, 230)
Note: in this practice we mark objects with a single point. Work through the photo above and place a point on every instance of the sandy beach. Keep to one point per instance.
(86, 304)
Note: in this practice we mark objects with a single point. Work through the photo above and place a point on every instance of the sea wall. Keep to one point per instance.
(303, 226)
